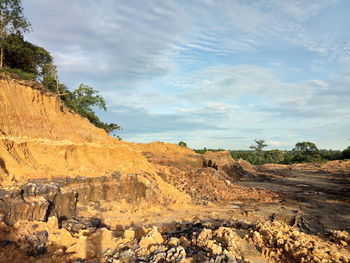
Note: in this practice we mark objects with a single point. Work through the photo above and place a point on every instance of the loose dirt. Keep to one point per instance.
(305, 220)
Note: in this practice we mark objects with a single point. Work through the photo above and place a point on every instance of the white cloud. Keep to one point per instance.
(135, 39)
(195, 67)
(278, 144)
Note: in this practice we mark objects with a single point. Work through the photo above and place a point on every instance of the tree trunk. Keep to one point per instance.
(1, 57)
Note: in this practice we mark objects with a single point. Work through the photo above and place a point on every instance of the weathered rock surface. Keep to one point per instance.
(39, 199)
(153, 237)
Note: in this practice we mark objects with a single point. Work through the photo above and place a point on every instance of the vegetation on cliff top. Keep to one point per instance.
(12, 21)
(31, 62)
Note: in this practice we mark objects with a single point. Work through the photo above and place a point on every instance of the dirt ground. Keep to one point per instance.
(311, 198)
(307, 219)
(318, 195)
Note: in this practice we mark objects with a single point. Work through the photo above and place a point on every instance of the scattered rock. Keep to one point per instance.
(173, 241)
(205, 235)
(152, 238)
(75, 225)
(284, 243)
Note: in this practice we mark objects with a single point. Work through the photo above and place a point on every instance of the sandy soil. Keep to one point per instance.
(305, 220)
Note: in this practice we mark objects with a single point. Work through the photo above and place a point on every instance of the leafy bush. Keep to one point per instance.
(23, 55)
(306, 152)
(346, 153)
(273, 156)
(18, 74)
(82, 100)
(182, 144)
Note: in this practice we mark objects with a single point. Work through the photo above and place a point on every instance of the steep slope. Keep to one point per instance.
(41, 139)
(27, 111)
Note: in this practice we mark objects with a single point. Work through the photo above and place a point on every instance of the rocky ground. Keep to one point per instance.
(306, 219)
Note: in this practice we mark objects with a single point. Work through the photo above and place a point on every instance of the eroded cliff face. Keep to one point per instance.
(33, 113)
(40, 139)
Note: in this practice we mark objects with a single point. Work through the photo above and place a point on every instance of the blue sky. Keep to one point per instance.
(215, 74)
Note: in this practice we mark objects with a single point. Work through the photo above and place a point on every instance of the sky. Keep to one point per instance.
(212, 73)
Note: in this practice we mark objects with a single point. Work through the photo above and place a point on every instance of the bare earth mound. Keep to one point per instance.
(71, 193)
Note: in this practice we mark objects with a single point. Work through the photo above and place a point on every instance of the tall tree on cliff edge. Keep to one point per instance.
(12, 21)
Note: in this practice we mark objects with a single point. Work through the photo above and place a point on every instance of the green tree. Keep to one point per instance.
(258, 149)
(85, 97)
(274, 156)
(30, 58)
(49, 79)
(12, 21)
(306, 152)
(245, 155)
(346, 153)
(23, 55)
(330, 155)
(306, 147)
(288, 157)
(82, 100)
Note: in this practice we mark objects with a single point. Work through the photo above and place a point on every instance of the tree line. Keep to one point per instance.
(303, 152)
(32, 62)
